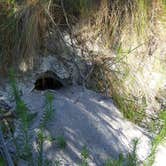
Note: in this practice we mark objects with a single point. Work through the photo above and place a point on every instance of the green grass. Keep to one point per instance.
(25, 119)
(2, 161)
(49, 110)
(158, 140)
(118, 162)
(61, 142)
(130, 108)
(84, 156)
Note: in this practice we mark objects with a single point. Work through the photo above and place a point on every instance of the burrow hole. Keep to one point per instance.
(48, 80)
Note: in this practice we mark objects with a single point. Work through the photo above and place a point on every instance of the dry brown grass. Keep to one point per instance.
(130, 37)
(23, 32)
(123, 36)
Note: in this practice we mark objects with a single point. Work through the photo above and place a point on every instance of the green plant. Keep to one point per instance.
(14, 87)
(22, 139)
(41, 139)
(132, 157)
(61, 142)
(22, 127)
(160, 137)
(49, 110)
(57, 163)
(2, 161)
(130, 108)
(118, 162)
(21, 108)
(84, 156)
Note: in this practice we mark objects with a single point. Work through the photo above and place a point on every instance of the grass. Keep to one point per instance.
(22, 31)
(124, 86)
(2, 161)
(115, 22)
(159, 139)
(21, 134)
(49, 110)
(84, 156)
(118, 162)
(61, 142)
(41, 137)
(8, 38)
(130, 108)
(26, 26)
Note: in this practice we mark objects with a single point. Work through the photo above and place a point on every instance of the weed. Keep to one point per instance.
(61, 142)
(14, 87)
(118, 162)
(84, 156)
(130, 108)
(161, 137)
(40, 138)
(23, 137)
(2, 161)
(49, 110)
(57, 163)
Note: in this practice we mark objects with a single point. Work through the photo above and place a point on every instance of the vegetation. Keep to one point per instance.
(122, 40)
(129, 160)
(159, 139)
(22, 132)
(61, 142)
(84, 156)
(23, 138)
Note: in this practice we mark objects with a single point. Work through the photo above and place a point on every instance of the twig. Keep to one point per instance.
(71, 38)
(49, 4)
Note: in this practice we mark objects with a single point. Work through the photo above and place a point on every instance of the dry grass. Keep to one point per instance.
(123, 35)
(130, 37)
(24, 29)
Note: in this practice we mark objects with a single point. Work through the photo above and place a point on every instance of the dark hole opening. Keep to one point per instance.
(45, 83)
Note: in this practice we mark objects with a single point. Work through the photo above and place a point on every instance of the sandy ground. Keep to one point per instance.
(86, 118)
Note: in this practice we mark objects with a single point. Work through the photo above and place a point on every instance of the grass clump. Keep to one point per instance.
(41, 136)
(130, 108)
(159, 139)
(122, 33)
(61, 142)
(8, 34)
(49, 110)
(118, 162)
(84, 156)
(2, 161)
(22, 137)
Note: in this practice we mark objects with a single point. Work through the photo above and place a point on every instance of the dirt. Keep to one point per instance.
(85, 118)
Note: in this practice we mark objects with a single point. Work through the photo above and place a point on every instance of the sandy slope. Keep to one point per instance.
(86, 118)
